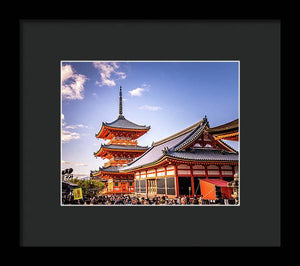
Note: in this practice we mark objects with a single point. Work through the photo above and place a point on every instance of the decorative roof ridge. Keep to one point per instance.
(178, 134)
(193, 150)
(192, 136)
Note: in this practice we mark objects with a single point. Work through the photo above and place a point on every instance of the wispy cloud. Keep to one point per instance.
(150, 107)
(66, 135)
(108, 72)
(80, 164)
(65, 162)
(72, 83)
(146, 85)
(76, 126)
(72, 163)
(63, 123)
(137, 92)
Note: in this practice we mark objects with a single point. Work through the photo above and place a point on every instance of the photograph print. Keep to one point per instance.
(150, 133)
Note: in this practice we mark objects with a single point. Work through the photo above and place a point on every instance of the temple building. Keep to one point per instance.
(194, 161)
(121, 148)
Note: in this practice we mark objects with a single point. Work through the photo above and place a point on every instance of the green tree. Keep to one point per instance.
(89, 188)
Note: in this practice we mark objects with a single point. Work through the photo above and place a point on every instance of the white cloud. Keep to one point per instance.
(108, 73)
(63, 123)
(137, 92)
(65, 162)
(72, 83)
(66, 73)
(74, 164)
(76, 126)
(150, 108)
(66, 136)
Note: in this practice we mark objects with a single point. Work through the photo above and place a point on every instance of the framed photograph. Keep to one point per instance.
(140, 165)
(150, 133)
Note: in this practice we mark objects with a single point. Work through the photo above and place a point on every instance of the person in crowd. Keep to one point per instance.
(195, 201)
(123, 199)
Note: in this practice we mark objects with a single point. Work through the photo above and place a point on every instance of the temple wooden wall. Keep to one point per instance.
(164, 180)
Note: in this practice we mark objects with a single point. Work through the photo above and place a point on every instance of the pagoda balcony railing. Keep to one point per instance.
(122, 159)
(122, 142)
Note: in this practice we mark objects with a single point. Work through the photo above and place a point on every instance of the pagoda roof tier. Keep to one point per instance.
(179, 146)
(121, 124)
(121, 148)
(111, 172)
(110, 169)
(229, 127)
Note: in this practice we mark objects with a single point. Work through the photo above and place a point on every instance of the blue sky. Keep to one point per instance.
(168, 96)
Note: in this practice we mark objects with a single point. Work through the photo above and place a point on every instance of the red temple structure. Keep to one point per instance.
(121, 148)
(192, 162)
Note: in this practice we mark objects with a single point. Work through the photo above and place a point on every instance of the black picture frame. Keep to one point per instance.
(44, 43)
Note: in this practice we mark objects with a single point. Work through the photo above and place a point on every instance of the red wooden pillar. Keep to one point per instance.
(192, 181)
(176, 181)
(220, 172)
(206, 174)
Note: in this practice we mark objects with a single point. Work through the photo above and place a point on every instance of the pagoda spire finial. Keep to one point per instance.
(120, 103)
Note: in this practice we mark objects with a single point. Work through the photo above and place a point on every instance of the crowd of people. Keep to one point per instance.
(121, 199)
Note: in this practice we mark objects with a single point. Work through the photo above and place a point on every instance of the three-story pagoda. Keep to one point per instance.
(121, 148)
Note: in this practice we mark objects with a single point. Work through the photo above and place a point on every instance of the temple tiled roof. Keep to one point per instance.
(111, 169)
(123, 147)
(230, 126)
(195, 134)
(205, 154)
(122, 122)
(157, 151)
(175, 147)
(114, 169)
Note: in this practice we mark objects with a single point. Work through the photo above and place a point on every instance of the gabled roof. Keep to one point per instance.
(194, 135)
(154, 153)
(174, 146)
(122, 122)
(157, 150)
